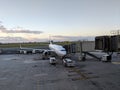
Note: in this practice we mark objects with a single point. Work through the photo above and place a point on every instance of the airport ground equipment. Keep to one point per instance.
(35, 51)
(25, 51)
(45, 55)
(53, 60)
(106, 58)
(68, 62)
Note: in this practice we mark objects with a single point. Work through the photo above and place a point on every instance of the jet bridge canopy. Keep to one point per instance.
(108, 43)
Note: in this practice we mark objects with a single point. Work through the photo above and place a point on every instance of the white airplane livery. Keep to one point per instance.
(58, 49)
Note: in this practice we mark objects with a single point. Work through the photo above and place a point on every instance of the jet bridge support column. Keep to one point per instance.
(81, 57)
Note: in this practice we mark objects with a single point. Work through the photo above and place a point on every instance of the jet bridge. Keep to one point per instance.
(84, 48)
(108, 43)
(90, 54)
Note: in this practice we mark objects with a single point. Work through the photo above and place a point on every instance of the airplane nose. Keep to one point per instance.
(63, 53)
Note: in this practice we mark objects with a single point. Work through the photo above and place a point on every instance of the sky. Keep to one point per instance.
(63, 20)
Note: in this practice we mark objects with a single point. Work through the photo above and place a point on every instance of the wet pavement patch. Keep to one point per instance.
(79, 74)
(50, 81)
(35, 66)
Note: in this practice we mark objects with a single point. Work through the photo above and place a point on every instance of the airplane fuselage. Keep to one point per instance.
(58, 49)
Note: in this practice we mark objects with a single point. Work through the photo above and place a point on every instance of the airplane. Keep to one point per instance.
(57, 49)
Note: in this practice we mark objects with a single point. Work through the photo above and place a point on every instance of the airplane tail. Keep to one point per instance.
(51, 42)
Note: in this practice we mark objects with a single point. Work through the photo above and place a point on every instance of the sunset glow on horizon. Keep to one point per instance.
(62, 19)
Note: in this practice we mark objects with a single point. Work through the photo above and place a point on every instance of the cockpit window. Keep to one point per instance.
(63, 50)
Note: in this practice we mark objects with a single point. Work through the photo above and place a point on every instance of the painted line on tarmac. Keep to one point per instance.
(115, 62)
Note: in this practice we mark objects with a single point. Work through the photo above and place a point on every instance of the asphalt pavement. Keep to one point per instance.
(30, 72)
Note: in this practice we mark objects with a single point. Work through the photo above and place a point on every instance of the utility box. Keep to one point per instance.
(106, 58)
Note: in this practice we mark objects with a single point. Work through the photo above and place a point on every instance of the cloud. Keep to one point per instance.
(73, 38)
(10, 39)
(4, 30)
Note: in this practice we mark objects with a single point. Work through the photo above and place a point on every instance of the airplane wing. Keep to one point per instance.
(33, 50)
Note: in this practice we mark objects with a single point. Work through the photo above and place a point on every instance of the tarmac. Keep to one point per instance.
(30, 72)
